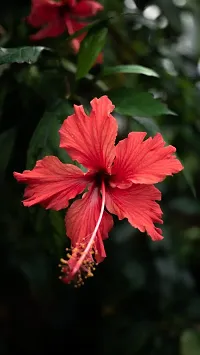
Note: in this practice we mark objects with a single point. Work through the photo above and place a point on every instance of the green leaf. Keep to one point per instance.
(133, 103)
(150, 125)
(45, 140)
(152, 128)
(91, 46)
(7, 140)
(190, 342)
(129, 69)
(84, 29)
(20, 55)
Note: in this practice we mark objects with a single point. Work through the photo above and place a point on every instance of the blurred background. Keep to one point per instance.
(145, 297)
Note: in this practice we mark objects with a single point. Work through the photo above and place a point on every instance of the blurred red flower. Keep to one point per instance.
(119, 178)
(54, 17)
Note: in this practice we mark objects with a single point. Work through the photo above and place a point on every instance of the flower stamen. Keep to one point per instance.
(82, 256)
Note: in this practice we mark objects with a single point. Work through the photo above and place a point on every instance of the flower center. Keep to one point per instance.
(80, 263)
(66, 7)
(101, 176)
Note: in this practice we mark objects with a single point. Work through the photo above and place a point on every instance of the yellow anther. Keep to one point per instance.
(63, 261)
(90, 274)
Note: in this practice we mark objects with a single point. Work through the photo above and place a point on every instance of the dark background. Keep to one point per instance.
(145, 297)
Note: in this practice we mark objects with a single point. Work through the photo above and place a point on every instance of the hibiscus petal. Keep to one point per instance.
(81, 219)
(43, 12)
(71, 3)
(87, 8)
(143, 162)
(137, 204)
(90, 139)
(52, 183)
(53, 29)
(99, 59)
(72, 27)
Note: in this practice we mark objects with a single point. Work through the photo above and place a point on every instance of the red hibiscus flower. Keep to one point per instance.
(55, 17)
(119, 179)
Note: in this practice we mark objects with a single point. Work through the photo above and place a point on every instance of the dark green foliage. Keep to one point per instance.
(135, 103)
(90, 48)
(28, 55)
